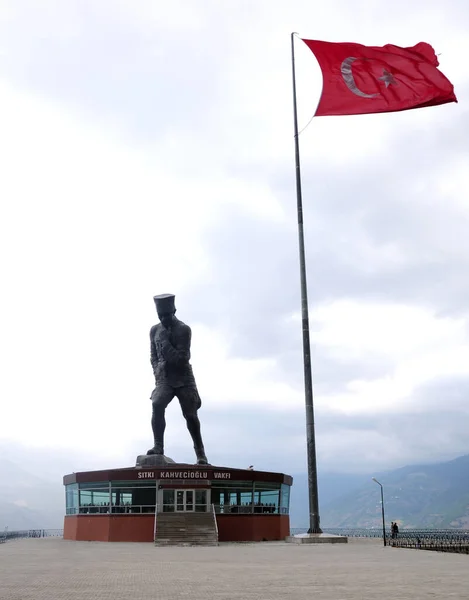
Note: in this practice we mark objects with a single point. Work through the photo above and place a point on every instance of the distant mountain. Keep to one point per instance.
(28, 501)
(435, 495)
(332, 486)
(32, 495)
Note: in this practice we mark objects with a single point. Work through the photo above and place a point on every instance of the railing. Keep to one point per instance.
(359, 532)
(6, 536)
(155, 522)
(215, 519)
(445, 540)
(261, 509)
(92, 509)
(442, 540)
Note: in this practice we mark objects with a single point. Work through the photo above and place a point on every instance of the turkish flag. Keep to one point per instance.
(370, 79)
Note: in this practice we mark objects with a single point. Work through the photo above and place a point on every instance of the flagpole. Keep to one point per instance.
(314, 526)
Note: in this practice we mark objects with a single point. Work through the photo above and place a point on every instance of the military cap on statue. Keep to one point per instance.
(165, 303)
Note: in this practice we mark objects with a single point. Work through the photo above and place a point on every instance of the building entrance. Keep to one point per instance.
(184, 500)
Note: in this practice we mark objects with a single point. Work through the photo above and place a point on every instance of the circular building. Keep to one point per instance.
(177, 504)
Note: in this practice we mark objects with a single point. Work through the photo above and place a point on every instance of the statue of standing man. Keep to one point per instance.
(170, 342)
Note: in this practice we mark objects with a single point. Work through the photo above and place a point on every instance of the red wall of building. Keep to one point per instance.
(85, 528)
(140, 528)
(255, 528)
(109, 528)
(131, 528)
(70, 527)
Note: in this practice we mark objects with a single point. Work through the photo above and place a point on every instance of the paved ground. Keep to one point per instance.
(54, 569)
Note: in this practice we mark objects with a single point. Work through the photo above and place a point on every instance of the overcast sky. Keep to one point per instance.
(146, 147)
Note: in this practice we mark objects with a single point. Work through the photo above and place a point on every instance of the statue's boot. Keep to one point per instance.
(157, 448)
(201, 458)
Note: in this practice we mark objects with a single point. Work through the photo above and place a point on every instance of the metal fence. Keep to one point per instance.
(444, 540)
(6, 536)
(249, 508)
(440, 540)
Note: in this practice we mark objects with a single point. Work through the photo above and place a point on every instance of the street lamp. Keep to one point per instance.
(382, 509)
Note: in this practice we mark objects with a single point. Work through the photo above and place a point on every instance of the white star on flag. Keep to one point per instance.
(388, 78)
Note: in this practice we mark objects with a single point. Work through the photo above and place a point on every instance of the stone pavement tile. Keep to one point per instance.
(54, 569)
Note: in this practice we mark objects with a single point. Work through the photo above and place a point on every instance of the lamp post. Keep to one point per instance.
(382, 509)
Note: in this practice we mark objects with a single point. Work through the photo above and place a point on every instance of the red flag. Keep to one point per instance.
(370, 79)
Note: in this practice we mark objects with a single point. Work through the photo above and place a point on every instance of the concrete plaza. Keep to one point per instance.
(54, 569)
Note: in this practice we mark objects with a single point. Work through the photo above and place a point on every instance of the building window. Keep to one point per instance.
(121, 500)
(266, 498)
(114, 497)
(232, 497)
(93, 498)
(71, 499)
(133, 497)
(228, 497)
(284, 499)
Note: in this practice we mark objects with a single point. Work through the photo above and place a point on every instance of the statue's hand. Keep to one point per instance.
(164, 335)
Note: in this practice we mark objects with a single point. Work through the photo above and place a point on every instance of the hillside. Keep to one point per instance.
(28, 501)
(332, 486)
(435, 495)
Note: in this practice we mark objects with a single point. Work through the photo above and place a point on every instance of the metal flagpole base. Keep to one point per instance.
(316, 538)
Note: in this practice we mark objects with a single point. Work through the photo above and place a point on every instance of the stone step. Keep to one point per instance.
(194, 514)
(201, 542)
(165, 533)
(187, 537)
(174, 543)
(184, 534)
(184, 526)
(178, 521)
(167, 542)
(186, 529)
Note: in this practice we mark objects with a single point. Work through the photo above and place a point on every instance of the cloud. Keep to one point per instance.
(21, 503)
(148, 148)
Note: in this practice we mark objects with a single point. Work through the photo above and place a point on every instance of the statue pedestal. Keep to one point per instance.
(316, 538)
(153, 460)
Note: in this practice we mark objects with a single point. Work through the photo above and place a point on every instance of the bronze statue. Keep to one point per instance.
(170, 342)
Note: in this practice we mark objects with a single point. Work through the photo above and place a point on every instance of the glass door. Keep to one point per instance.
(167, 500)
(201, 497)
(171, 500)
(184, 500)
